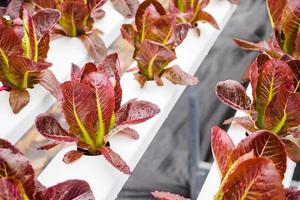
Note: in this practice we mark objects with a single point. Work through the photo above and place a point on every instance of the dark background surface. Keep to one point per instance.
(4, 2)
(165, 166)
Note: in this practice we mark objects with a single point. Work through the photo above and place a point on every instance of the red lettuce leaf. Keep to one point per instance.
(275, 9)
(131, 133)
(104, 97)
(152, 58)
(114, 159)
(177, 76)
(44, 20)
(14, 8)
(233, 94)
(264, 144)
(129, 33)
(166, 31)
(48, 146)
(14, 165)
(255, 70)
(256, 178)
(98, 14)
(111, 66)
(274, 76)
(284, 113)
(222, 147)
(10, 46)
(135, 112)
(72, 156)
(206, 17)
(271, 46)
(11, 189)
(94, 45)
(192, 12)
(290, 23)
(141, 79)
(292, 194)
(78, 74)
(295, 67)
(148, 11)
(6, 145)
(18, 181)
(50, 83)
(127, 8)
(45, 3)
(79, 107)
(94, 4)
(24, 73)
(29, 39)
(275, 114)
(180, 33)
(246, 122)
(68, 190)
(43, 46)
(158, 80)
(292, 148)
(18, 99)
(160, 30)
(295, 132)
(49, 127)
(75, 18)
(10, 43)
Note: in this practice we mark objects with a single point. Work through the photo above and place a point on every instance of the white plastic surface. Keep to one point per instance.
(237, 133)
(63, 51)
(105, 181)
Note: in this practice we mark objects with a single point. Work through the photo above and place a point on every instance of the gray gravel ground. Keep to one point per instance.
(164, 166)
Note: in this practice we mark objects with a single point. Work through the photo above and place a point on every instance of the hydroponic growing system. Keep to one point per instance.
(58, 52)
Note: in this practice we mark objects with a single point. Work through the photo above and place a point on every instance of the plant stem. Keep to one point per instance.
(181, 5)
(88, 140)
(101, 128)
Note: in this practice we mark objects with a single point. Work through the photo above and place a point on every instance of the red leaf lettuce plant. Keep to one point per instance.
(78, 17)
(18, 181)
(155, 37)
(192, 12)
(276, 101)
(254, 169)
(285, 39)
(23, 49)
(91, 104)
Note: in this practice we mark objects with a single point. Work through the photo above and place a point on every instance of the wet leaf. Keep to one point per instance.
(49, 127)
(72, 156)
(127, 8)
(222, 147)
(256, 178)
(177, 76)
(233, 94)
(114, 159)
(18, 99)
